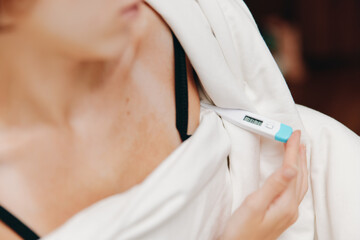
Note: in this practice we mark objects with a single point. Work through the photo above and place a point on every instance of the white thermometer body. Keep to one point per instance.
(253, 122)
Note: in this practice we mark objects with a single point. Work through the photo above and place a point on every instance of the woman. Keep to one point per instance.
(85, 94)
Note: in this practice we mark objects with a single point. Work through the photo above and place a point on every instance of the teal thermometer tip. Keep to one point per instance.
(284, 133)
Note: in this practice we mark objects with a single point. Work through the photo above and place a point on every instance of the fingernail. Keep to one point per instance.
(290, 172)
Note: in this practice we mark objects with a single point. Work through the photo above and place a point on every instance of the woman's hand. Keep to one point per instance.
(269, 211)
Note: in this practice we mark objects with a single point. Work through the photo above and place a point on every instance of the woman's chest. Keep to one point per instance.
(55, 175)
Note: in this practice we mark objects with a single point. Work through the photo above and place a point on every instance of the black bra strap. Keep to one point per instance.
(16, 225)
(181, 97)
(181, 89)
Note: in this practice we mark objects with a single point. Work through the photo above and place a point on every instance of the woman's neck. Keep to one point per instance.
(36, 86)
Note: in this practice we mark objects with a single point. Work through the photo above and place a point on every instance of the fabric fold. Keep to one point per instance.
(193, 192)
(188, 193)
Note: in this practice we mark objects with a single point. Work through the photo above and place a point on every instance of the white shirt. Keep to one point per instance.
(193, 192)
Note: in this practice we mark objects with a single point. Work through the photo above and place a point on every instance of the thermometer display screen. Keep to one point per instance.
(253, 120)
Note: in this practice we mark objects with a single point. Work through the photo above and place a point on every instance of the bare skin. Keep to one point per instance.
(74, 133)
(268, 212)
(116, 136)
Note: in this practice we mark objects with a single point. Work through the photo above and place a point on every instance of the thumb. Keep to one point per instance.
(275, 185)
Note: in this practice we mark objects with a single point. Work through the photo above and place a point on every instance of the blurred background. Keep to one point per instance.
(317, 47)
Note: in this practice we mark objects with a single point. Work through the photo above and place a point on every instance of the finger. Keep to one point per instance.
(274, 186)
(305, 173)
(292, 149)
(282, 180)
(289, 196)
(300, 175)
(285, 206)
(291, 160)
(284, 210)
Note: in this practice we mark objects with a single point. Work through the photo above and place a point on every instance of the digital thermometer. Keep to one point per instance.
(253, 122)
